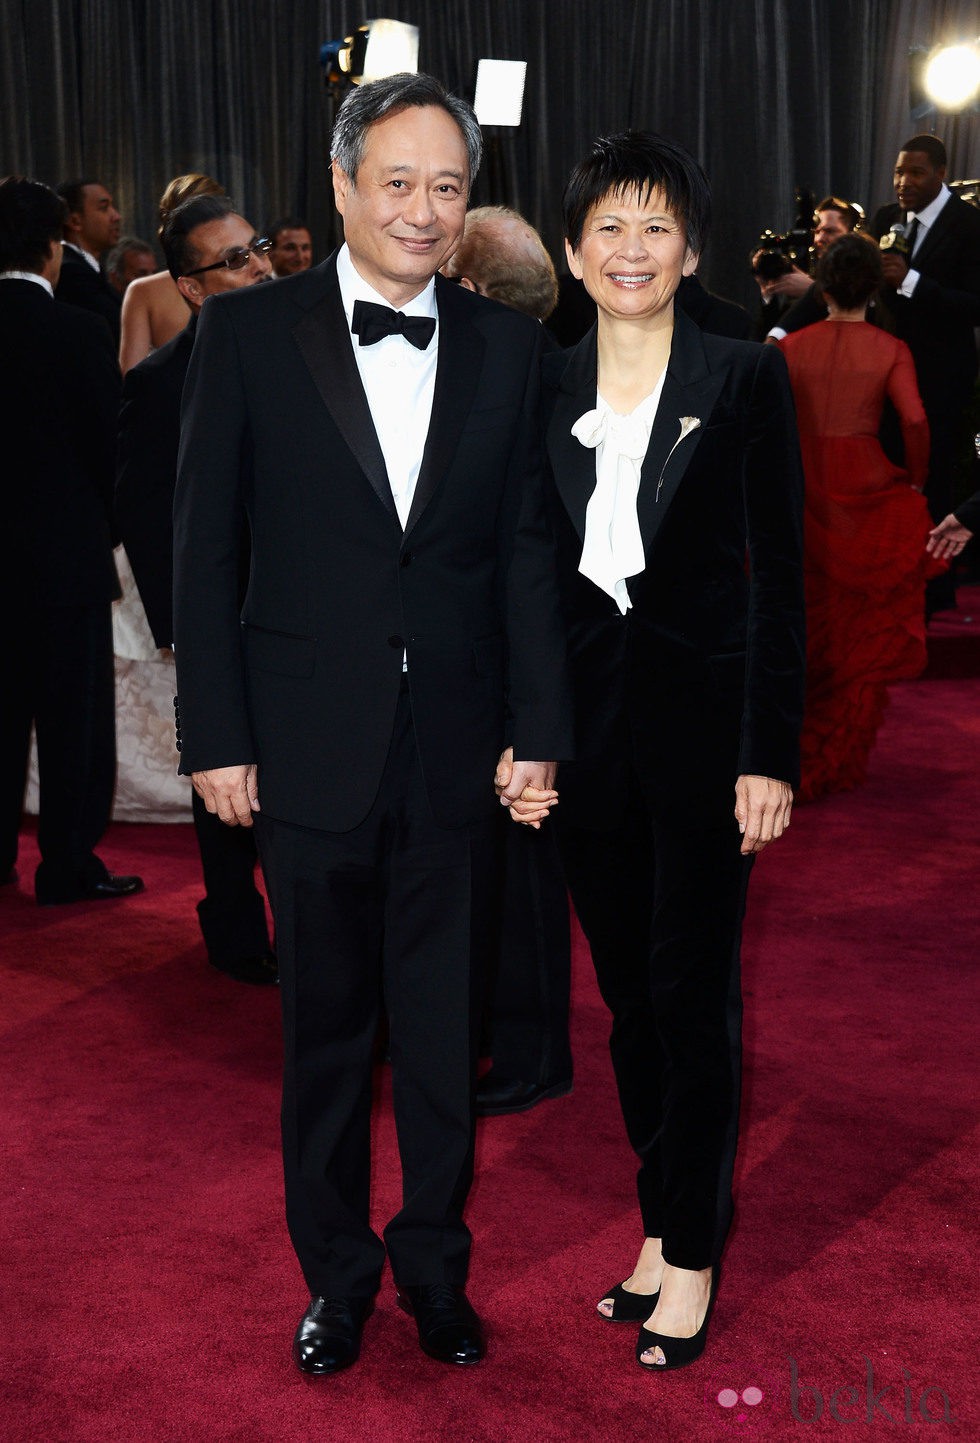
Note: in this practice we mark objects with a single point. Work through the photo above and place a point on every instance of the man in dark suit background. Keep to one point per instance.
(91, 230)
(209, 249)
(931, 300)
(402, 590)
(58, 406)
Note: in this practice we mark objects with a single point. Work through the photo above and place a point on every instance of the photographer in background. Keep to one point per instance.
(832, 220)
(782, 264)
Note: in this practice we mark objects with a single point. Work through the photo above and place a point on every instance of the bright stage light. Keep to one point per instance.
(392, 49)
(499, 96)
(951, 78)
(376, 49)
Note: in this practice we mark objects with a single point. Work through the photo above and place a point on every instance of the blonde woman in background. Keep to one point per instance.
(153, 310)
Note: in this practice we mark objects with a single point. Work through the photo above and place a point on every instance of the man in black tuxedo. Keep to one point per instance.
(58, 406)
(209, 249)
(931, 300)
(91, 230)
(401, 625)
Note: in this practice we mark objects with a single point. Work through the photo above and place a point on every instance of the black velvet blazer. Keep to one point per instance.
(703, 679)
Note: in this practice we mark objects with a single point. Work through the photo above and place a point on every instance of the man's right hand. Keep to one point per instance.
(231, 793)
(794, 283)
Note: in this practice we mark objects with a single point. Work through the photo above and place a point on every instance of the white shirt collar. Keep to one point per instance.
(86, 255)
(927, 215)
(28, 276)
(353, 287)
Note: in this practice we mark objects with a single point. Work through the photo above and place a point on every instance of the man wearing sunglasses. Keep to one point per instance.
(209, 248)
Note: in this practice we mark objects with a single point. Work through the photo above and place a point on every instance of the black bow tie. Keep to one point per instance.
(372, 323)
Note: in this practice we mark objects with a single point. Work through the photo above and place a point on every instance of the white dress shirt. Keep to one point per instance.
(613, 546)
(926, 218)
(28, 276)
(399, 382)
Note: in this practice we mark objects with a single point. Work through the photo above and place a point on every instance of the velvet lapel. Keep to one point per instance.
(690, 389)
(324, 340)
(458, 370)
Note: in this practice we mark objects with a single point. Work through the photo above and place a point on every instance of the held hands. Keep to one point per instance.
(762, 810)
(947, 539)
(231, 793)
(526, 788)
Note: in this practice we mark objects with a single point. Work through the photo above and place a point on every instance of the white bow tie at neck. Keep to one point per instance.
(629, 435)
(613, 546)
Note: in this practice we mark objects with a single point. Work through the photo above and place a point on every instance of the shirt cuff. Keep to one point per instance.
(907, 288)
(776, 334)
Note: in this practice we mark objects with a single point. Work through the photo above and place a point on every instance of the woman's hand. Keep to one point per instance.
(525, 788)
(762, 810)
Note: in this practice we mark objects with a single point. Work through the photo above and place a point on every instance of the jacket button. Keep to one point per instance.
(405, 559)
(397, 641)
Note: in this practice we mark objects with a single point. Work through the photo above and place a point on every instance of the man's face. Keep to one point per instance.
(97, 223)
(917, 180)
(830, 227)
(292, 252)
(216, 240)
(404, 217)
(135, 264)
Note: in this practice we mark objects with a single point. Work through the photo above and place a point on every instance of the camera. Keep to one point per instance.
(775, 255)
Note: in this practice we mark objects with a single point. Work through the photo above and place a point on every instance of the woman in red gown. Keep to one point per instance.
(866, 520)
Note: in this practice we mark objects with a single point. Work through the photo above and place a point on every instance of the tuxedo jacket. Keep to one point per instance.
(305, 681)
(58, 407)
(938, 320)
(146, 473)
(80, 285)
(702, 680)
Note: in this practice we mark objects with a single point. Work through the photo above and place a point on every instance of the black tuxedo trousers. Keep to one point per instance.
(394, 908)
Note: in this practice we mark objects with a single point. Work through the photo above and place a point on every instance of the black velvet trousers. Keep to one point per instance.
(661, 904)
(390, 908)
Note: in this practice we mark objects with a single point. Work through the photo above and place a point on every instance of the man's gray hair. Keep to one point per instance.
(378, 98)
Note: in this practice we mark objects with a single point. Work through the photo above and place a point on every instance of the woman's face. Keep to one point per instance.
(632, 255)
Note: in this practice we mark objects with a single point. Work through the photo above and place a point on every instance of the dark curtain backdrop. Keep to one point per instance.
(766, 93)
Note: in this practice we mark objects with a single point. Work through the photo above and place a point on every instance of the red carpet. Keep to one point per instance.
(148, 1287)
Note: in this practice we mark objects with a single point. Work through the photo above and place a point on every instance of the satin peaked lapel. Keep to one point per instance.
(690, 389)
(572, 464)
(458, 370)
(324, 340)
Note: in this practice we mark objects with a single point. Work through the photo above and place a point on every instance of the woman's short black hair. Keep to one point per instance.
(642, 161)
(849, 271)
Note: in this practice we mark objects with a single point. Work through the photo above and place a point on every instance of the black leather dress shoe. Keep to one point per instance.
(259, 971)
(449, 1329)
(104, 889)
(498, 1095)
(329, 1334)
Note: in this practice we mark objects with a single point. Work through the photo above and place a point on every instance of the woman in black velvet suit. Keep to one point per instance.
(676, 498)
